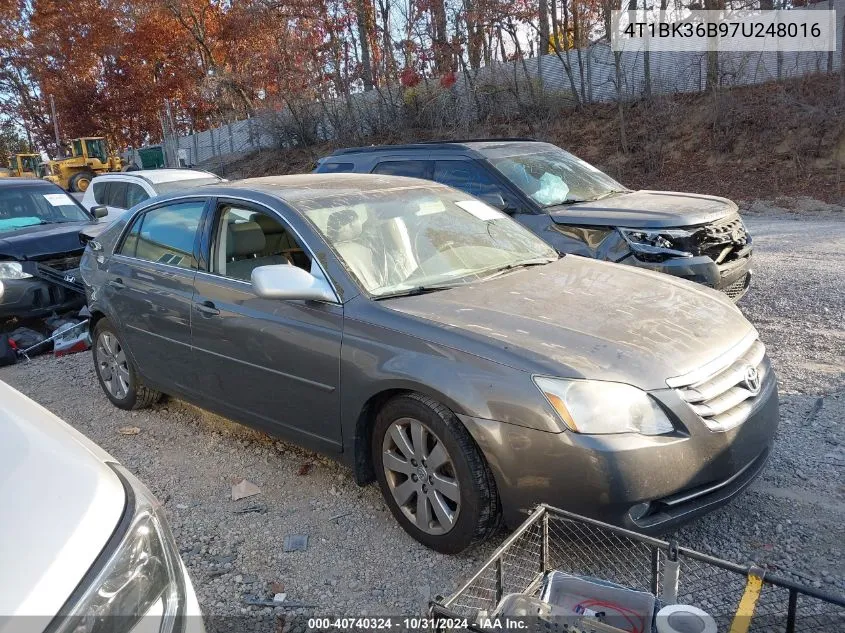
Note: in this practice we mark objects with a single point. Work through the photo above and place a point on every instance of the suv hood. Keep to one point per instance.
(44, 240)
(646, 209)
(60, 502)
(581, 318)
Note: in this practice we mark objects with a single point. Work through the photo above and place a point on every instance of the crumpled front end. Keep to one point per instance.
(716, 254)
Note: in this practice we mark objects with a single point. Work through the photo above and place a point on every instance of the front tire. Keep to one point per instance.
(432, 475)
(81, 181)
(116, 373)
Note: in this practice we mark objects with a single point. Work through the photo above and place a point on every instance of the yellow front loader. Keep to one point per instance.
(23, 166)
(89, 157)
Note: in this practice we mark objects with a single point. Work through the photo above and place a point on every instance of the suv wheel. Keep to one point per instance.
(117, 375)
(432, 475)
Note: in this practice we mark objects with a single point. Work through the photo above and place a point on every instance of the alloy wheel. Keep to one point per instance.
(421, 476)
(112, 365)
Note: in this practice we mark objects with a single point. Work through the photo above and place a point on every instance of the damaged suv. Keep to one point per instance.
(577, 208)
(40, 248)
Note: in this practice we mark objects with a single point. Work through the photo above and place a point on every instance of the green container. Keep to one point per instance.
(152, 157)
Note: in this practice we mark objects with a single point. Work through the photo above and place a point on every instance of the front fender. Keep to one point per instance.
(377, 362)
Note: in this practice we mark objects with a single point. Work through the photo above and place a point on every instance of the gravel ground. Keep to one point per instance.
(359, 561)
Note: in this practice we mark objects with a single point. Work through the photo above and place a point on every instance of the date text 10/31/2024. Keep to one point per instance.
(411, 623)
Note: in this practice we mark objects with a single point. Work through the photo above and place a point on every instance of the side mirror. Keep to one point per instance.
(495, 200)
(99, 211)
(283, 281)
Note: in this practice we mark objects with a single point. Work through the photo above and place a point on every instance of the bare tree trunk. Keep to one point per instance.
(439, 37)
(543, 18)
(474, 35)
(564, 58)
(362, 17)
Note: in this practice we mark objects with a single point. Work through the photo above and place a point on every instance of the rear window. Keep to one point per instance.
(29, 205)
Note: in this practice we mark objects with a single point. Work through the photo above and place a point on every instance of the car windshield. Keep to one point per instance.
(179, 185)
(556, 177)
(414, 239)
(30, 205)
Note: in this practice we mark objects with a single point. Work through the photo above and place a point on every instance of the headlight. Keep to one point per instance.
(597, 407)
(12, 270)
(140, 578)
(657, 243)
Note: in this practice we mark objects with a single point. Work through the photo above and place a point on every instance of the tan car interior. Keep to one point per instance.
(248, 240)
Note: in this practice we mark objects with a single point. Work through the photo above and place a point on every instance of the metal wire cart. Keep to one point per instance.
(739, 599)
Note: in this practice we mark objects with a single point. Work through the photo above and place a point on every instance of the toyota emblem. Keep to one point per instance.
(752, 380)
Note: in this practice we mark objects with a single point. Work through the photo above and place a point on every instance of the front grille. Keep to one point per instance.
(724, 400)
(724, 240)
(737, 288)
(731, 228)
(62, 263)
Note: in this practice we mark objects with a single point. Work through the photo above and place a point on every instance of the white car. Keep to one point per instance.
(84, 546)
(123, 190)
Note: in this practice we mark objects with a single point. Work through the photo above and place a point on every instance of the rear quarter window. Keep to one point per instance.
(335, 168)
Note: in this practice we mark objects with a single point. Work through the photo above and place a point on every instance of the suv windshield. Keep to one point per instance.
(555, 177)
(422, 238)
(30, 205)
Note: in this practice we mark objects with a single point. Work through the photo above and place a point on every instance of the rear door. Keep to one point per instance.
(150, 288)
(273, 363)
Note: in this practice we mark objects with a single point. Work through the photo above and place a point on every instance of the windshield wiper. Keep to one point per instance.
(540, 261)
(418, 290)
(607, 194)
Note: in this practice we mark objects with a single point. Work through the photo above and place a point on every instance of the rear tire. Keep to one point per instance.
(81, 181)
(433, 477)
(117, 375)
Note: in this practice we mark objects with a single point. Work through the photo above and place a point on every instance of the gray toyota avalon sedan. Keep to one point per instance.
(436, 346)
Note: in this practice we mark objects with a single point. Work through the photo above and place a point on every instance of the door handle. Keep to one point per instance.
(117, 283)
(207, 308)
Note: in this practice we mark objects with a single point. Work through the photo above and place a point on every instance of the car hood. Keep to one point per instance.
(581, 318)
(44, 240)
(60, 504)
(646, 209)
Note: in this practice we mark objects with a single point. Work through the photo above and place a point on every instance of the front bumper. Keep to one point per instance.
(32, 298)
(733, 278)
(613, 478)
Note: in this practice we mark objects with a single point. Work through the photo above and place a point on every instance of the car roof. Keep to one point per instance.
(463, 144)
(157, 176)
(302, 187)
(32, 182)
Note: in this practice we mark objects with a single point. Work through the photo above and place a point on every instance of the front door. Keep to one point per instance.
(273, 363)
(150, 287)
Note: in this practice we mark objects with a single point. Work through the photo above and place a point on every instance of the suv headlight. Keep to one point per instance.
(598, 407)
(12, 270)
(140, 577)
(660, 244)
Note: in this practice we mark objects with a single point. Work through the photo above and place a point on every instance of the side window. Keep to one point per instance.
(130, 242)
(336, 168)
(246, 239)
(411, 168)
(166, 235)
(101, 191)
(117, 195)
(466, 176)
(134, 194)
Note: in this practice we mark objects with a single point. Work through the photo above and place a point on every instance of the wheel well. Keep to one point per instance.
(95, 317)
(364, 472)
